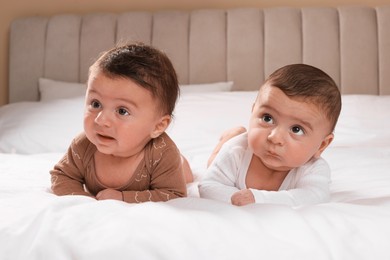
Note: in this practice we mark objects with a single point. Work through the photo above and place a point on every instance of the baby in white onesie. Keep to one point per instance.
(278, 160)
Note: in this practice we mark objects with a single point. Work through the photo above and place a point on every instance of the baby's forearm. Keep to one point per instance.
(63, 185)
(151, 195)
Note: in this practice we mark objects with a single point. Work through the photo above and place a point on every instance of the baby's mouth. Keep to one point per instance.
(272, 153)
(105, 137)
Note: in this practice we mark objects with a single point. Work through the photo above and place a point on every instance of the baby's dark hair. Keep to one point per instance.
(309, 84)
(146, 66)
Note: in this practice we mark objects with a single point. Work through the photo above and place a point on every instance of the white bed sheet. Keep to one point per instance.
(35, 224)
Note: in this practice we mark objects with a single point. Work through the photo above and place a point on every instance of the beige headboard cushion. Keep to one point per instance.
(351, 43)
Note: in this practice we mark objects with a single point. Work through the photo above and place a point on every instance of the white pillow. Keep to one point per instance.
(53, 89)
(207, 87)
(40, 127)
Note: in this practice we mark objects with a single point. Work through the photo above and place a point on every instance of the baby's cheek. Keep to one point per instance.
(297, 157)
(255, 137)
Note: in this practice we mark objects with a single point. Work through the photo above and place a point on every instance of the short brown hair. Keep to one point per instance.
(309, 84)
(145, 65)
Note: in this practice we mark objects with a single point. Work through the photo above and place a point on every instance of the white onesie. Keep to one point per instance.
(308, 184)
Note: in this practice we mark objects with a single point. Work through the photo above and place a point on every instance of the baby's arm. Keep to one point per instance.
(66, 177)
(166, 180)
(219, 182)
(310, 186)
(227, 135)
(155, 193)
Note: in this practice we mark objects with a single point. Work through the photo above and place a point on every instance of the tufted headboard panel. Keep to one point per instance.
(350, 43)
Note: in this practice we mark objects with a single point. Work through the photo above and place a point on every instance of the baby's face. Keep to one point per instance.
(120, 116)
(286, 133)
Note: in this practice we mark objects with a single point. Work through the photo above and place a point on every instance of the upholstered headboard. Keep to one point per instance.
(350, 43)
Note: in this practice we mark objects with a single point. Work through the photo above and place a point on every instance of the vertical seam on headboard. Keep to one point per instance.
(189, 47)
(152, 29)
(116, 30)
(79, 48)
(378, 52)
(340, 55)
(226, 47)
(263, 34)
(302, 42)
(45, 48)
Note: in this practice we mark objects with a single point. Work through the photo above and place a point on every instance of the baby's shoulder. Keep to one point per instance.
(239, 142)
(233, 151)
(317, 162)
(162, 146)
(162, 151)
(80, 140)
(81, 144)
(315, 166)
(163, 142)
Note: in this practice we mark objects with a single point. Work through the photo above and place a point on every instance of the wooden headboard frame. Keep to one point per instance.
(350, 43)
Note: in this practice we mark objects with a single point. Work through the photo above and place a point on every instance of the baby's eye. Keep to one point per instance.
(267, 119)
(297, 130)
(95, 104)
(123, 111)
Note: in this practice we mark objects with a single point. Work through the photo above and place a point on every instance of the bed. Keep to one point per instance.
(221, 57)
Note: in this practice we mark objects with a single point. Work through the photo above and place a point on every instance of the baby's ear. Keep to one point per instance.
(161, 126)
(325, 143)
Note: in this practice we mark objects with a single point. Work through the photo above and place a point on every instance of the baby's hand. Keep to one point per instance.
(108, 194)
(243, 197)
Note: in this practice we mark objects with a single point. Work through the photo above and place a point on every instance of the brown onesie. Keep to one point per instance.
(158, 177)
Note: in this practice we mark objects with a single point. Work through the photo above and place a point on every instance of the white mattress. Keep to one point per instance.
(35, 224)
